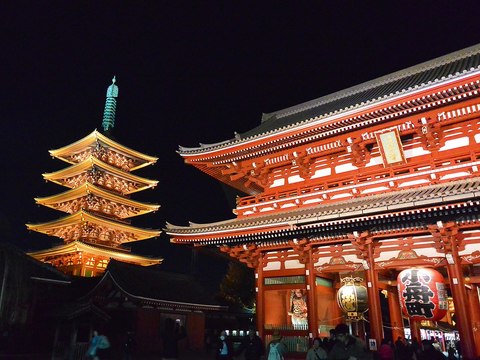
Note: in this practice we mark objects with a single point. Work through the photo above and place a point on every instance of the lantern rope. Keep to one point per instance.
(385, 326)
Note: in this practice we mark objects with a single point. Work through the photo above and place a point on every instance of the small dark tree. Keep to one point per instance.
(237, 288)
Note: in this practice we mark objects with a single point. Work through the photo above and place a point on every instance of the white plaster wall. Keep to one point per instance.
(321, 173)
(470, 248)
(387, 255)
(418, 151)
(295, 179)
(293, 264)
(455, 143)
(278, 182)
(344, 168)
(273, 265)
(375, 161)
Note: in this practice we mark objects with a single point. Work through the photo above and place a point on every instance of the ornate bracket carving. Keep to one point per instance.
(447, 237)
(303, 162)
(254, 173)
(360, 242)
(301, 247)
(430, 133)
(358, 149)
(248, 254)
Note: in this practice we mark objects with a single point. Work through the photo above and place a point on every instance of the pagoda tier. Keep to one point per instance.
(110, 152)
(94, 229)
(95, 171)
(96, 200)
(364, 183)
(87, 259)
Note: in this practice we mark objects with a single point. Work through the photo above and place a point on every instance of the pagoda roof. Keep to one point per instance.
(64, 153)
(78, 246)
(87, 189)
(91, 162)
(82, 217)
(442, 70)
(159, 288)
(455, 194)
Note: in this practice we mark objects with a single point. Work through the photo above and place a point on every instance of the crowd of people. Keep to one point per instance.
(417, 350)
(340, 345)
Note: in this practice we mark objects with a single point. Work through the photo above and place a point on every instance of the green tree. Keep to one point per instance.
(237, 288)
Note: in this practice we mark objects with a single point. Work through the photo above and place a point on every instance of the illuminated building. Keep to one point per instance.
(364, 182)
(97, 203)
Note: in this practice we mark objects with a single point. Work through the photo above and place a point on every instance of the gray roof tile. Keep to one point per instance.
(417, 76)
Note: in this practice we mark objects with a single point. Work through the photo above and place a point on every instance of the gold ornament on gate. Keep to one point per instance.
(352, 297)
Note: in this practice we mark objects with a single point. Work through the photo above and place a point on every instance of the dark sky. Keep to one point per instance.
(188, 73)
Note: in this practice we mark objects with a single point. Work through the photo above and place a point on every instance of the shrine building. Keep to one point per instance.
(97, 202)
(362, 206)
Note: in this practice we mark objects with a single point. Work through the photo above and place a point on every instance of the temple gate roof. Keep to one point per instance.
(413, 79)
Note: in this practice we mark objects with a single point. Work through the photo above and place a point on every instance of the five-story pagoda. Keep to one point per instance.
(97, 202)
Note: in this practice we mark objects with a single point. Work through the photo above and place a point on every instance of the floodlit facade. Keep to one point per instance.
(358, 186)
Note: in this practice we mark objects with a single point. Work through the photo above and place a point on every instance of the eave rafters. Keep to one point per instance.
(94, 251)
(83, 222)
(89, 143)
(250, 168)
(93, 164)
(409, 221)
(89, 197)
(342, 122)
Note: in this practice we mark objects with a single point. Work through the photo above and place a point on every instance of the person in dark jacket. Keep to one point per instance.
(429, 352)
(347, 346)
(252, 345)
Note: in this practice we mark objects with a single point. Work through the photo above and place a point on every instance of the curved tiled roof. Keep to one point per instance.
(154, 285)
(416, 77)
(368, 206)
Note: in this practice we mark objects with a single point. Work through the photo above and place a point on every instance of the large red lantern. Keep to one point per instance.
(422, 294)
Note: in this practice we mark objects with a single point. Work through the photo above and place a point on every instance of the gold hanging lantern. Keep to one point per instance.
(352, 298)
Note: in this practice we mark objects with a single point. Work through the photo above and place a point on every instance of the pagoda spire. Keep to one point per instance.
(110, 106)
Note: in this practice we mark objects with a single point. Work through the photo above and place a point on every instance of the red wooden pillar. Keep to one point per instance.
(396, 319)
(260, 307)
(475, 315)
(415, 330)
(449, 238)
(312, 296)
(374, 308)
(464, 325)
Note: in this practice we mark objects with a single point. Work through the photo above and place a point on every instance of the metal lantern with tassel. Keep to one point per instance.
(352, 298)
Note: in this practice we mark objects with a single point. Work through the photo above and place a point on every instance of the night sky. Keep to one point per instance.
(188, 73)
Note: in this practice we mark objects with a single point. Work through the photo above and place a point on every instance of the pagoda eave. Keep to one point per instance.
(79, 221)
(79, 196)
(80, 247)
(64, 153)
(78, 174)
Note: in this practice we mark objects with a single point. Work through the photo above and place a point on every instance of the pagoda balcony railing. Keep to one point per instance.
(363, 184)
